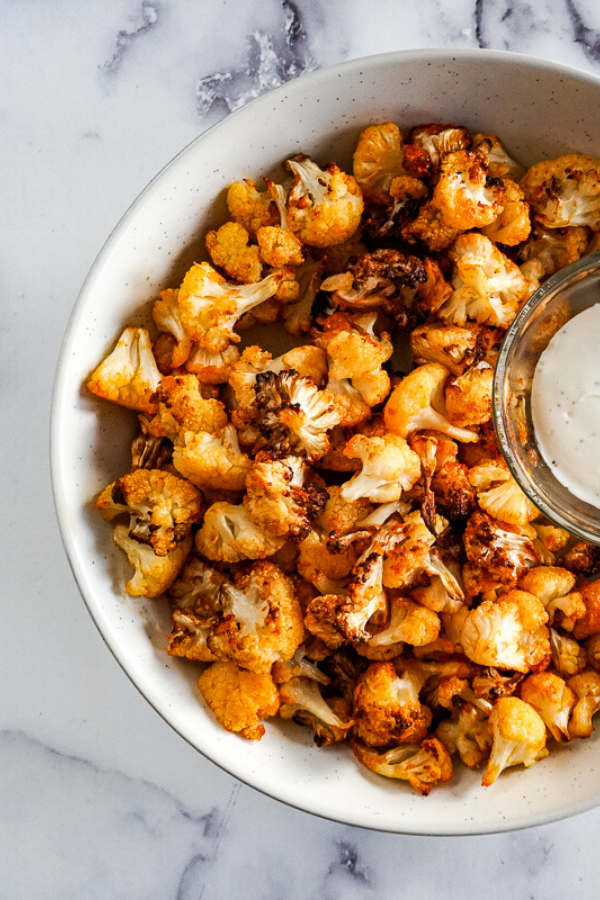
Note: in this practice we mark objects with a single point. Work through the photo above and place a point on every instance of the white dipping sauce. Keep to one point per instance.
(565, 405)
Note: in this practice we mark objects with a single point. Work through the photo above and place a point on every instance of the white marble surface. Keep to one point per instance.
(98, 797)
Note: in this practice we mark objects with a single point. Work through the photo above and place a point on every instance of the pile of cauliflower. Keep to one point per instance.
(341, 543)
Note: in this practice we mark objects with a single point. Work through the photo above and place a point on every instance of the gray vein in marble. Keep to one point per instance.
(149, 18)
(272, 59)
(348, 861)
(588, 38)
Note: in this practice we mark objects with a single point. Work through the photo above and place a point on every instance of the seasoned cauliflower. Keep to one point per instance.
(497, 553)
(152, 574)
(195, 599)
(457, 347)
(261, 620)
(422, 765)
(302, 701)
(554, 587)
(409, 623)
(173, 345)
(467, 734)
(129, 375)
(352, 346)
(552, 699)
(568, 657)
(509, 633)
(239, 699)
(250, 207)
(378, 160)
(181, 408)
(513, 225)
(586, 689)
(499, 495)
(212, 461)
(519, 737)
(465, 194)
(468, 397)
(230, 249)
(324, 205)
(297, 316)
(588, 623)
(389, 468)
(386, 707)
(228, 534)
(279, 500)
(565, 191)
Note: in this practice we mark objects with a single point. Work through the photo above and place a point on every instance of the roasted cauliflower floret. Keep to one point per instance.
(324, 205)
(509, 633)
(239, 699)
(488, 286)
(513, 225)
(228, 534)
(389, 468)
(409, 623)
(302, 701)
(422, 765)
(589, 622)
(387, 709)
(417, 403)
(210, 306)
(129, 375)
(261, 620)
(519, 737)
(568, 657)
(468, 397)
(181, 408)
(250, 207)
(554, 587)
(565, 191)
(297, 316)
(352, 346)
(466, 733)
(279, 500)
(497, 553)
(501, 164)
(212, 461)
(552, 699)
(195, 599)
(586, 689)
(230, 249)
(378, 160)
(161, 507)
(173, 346)
(499, 494)
(457, 347)
(279, 247)
(341, 517)
(465, 194)
(152, 574)
(294, 416)
(553, 248)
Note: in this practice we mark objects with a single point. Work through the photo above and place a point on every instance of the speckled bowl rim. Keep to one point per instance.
(82, 577)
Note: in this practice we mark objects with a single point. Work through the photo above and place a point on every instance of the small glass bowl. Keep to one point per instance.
(564, 295)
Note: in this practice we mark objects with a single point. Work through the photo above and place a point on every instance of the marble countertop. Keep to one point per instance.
(95, 789)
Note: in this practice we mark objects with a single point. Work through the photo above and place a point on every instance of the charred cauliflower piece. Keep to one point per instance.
(513, 225)
(261, 620)
(129, 375)
(565, 191)
(324, 205)
(279, 501)
(378, 160)
(465, 193)
(228, 534)
(195, 599)
(387, 709)
(422, 765)
(457, 347)
(302, 701)
(181, 408)
(519, 737)
(153, 574)
(239, 699)
(389, 467)
(467, 734)
(212, 461)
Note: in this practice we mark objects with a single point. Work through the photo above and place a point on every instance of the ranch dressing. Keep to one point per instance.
(565, 405)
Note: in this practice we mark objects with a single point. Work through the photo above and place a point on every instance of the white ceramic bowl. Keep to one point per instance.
(539, 110)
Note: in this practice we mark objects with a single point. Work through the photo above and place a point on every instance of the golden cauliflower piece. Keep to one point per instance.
(519, 737)
(422, 765)
(457, 347)
(261, 620)
(387, 709)
(210, 306)
(568, 657)
(409, 623)
(250, 207)
(277, 498)
(488, 286)
(341, 517)
(513, 225)
(466, 733)
(589, 623)
(228, 534)
(554, 585)
(212, 461)
(430, 228)
(324, 205)
(565, 191)
(552, 699)
(352, 346)
(465, 194)
(417, 403)
(468, 397)
(499, 494)
(212, 368)
(162, 508)
(279, 247)
(231, 251)
(554, 248)
(129, 375)
(302, 701)
(153, 574)
(586, 689)
(509, 633)
(181, 408)
(239, 699)
(378, 160)
(173, 346)
(389, 467)
(195, 599)
(498, 553)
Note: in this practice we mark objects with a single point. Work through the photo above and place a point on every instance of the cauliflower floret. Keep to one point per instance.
(519, 737)
(389, 468)
(423, 766)
(231, 251)
(386, 706)
(513, 225)
(378, 160)
(568, 657)
(212, 461)
(181, 408)
(279, 501)
(468, 397)
(129, 375)
(209, 306)
(261, 620)
(554, 587)
(417, 404)
(588, 623)
(457, 347)
(324, 205)
(552, 699)
(239, 699)
(301, 700)
(212, 368)
(349, 403)
(436, 141)
(341, 517)
(297, 316)
(553, 248)
(488, 286)
(321, 619)
(162, 508)
(173, 346)
(279, 247)
(152, 574)
(409, 623)
(586, 688)
(293, 414)
(250, 207)
(352, 346)
(565, 191)
(195, 599)
(228, 534)
(465, 194)
(498, 553)
(509, 633)
(499, 494)
(499, 162)
(467, 734)
(430, 228)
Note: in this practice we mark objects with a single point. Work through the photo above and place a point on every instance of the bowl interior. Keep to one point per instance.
(564, 295)
(513, 97)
